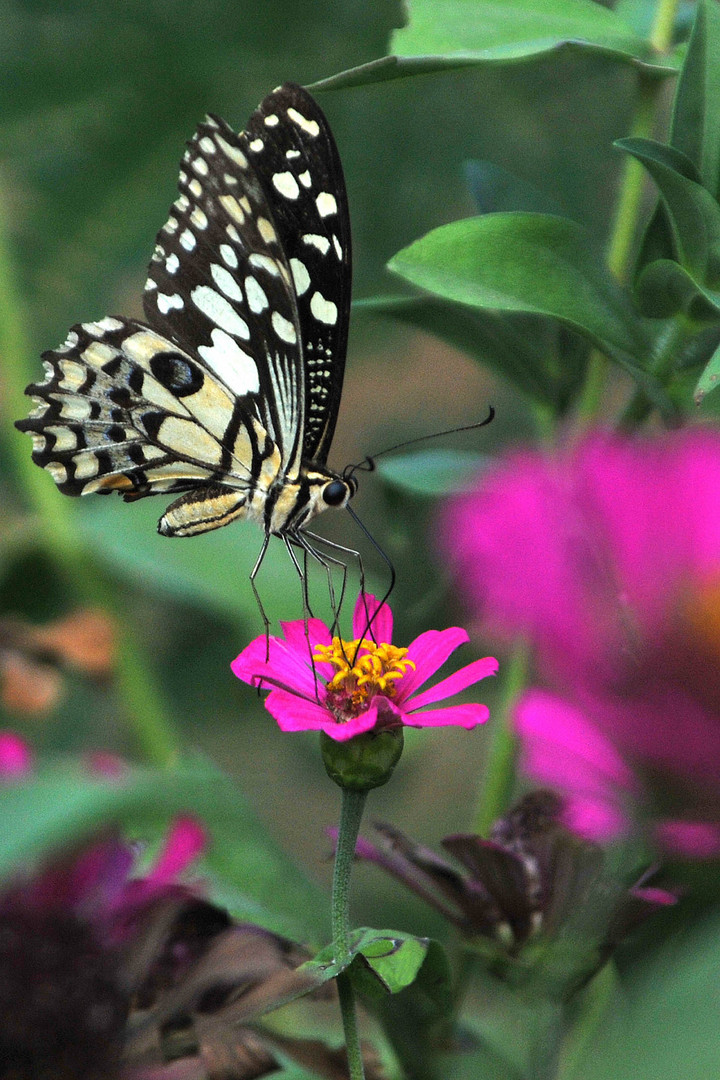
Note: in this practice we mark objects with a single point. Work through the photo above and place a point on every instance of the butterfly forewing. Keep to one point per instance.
(294, 156)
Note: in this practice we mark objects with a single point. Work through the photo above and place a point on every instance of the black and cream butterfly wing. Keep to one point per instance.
(220, 376)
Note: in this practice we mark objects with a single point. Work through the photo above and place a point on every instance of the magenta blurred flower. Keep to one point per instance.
(66, 933)
(606, 557)
(351, 687)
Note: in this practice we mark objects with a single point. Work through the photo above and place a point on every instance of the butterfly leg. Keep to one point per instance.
(256, 594)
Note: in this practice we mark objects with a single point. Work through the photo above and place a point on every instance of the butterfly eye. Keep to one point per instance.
(335, 493)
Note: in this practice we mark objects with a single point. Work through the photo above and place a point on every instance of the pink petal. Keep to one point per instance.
(368, 608)
(296, 713)
(15, 756)
(186, 840)
(561, 746)
(358, 726)
(288, 664)
(460, 680)
(428, 652)
(466, 716)
(690, 839)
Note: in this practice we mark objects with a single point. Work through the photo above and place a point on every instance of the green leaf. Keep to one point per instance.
(63, 804)
(693, 213)
(665, 1026)
(446, 34)
(387, 961)
(433, 473)
(709, 379)
(534, 263)
(696, 113)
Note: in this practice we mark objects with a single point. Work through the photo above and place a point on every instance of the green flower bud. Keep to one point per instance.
(364, 762)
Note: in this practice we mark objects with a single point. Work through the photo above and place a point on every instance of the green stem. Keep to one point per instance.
(351, 811)
(629, 202)
(596, 1001)
(60, 537)
(500, 767)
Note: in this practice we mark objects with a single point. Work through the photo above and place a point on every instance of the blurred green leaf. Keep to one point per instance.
(666, 1025)
(535, 355)
(211, 569)
(533, 263)
(693, 213)
(445, 34)
(665, 288)
(64, 804)
(696, 113)
(433, 473)
(495, 189)
(710, 377)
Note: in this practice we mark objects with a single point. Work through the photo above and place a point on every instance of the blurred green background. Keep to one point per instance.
(97, 103)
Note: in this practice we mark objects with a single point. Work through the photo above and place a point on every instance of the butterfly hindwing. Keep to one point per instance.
(124, 409)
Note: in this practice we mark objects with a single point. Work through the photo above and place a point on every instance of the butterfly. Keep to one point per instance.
(229, 392)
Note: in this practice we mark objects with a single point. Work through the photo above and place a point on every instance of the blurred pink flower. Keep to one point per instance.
(354, 686)
(605, 556)
(71, 934)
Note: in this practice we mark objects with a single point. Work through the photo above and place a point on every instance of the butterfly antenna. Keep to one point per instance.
(368, 463)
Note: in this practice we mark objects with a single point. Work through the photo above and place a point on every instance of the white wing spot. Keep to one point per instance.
(233, 208)
(182, 202)
(229, 180)
(300, 276)
(150, 285)
(272, 120)
(219, 311)
(187, 240)
(233, 234)
(226, 282)
(286, 184)
(256, 146)
(201, 166)
(199, 219)
(305, 179)
(233, 152)
(171, 225)
(166, 302)
(266, 230)
(195, 188)
(326, 204)
(323, 310)
(311, 127)
(228, 255)
(107, 325)
(172, 264)
(292, 154)
(207, 144)
(256, 298)
(233, 365)
(315, 240)
(284, 329)
(264, 262)
(338, 247)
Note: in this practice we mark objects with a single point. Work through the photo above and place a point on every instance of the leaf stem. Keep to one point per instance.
(628, 204)
(500, 766)
(351, 811)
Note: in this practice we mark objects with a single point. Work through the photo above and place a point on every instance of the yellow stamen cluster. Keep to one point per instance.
(363, 668)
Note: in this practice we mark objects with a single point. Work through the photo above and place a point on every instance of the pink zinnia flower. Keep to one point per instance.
(349, 687)
(606, 557)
